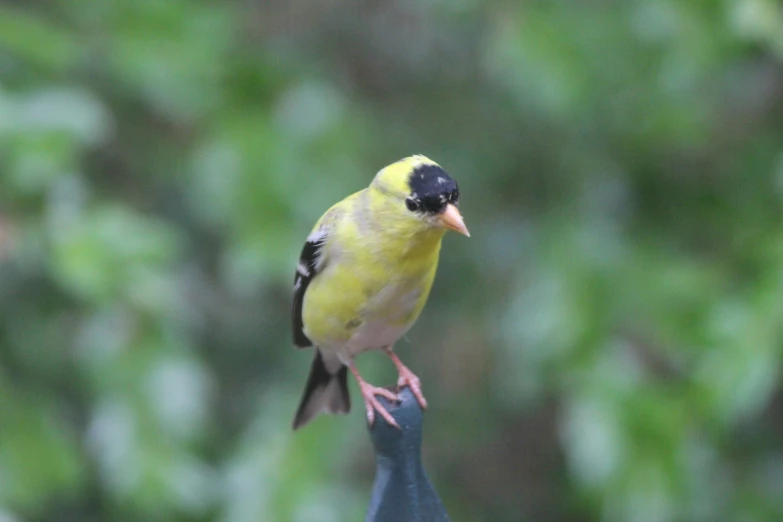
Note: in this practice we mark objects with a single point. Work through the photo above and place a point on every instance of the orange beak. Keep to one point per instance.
(452, 219)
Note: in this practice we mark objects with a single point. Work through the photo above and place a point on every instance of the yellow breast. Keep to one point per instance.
(376, 278)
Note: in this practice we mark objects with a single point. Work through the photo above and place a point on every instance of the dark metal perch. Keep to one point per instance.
(402, 492)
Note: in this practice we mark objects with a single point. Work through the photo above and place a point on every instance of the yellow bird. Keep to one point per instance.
(363, 278)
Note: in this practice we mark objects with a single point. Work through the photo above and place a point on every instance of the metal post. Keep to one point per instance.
(402, 492)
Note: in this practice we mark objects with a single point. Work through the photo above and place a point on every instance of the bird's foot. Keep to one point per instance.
(409, 379)
(369, 392)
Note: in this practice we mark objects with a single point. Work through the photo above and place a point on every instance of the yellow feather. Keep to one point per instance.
(379, 265)
(394, 178)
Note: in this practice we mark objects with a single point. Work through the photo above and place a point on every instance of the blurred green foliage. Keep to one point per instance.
(606, 347)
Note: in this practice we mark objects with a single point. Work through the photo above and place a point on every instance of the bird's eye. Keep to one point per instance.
(412, 204)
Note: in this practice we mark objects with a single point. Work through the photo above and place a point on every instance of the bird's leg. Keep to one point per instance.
(370, 402)
(407, 378)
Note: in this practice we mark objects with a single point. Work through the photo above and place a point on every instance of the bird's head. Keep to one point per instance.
(421, 190)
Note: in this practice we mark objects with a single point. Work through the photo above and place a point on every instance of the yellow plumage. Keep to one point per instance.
(338, 301)
(367, 270)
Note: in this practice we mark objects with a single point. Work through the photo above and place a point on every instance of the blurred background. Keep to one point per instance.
(606, 347)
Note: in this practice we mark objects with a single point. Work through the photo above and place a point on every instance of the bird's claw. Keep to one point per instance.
(372, 404)
(409, 379)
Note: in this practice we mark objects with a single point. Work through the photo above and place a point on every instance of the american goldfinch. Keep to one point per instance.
(363, 278)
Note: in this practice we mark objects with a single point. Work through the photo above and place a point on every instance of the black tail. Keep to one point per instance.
(324, 392)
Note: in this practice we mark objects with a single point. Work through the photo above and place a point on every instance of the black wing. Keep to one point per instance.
(309, 266)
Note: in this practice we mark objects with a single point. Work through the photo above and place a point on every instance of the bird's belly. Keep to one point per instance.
(358, 318)
(373, 335)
